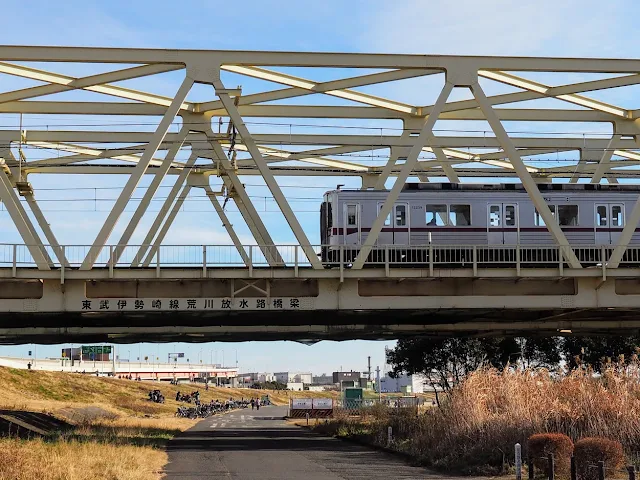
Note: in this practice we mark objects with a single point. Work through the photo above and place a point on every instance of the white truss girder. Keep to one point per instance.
(396, 139)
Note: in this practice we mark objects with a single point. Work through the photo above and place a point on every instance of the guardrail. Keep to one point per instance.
(256, 256)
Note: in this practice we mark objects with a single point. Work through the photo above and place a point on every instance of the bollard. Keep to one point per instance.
(574, 469)
(550, 466)
(601, 470)
(632, 472)
(518, 453)
(307, 415)
(531, 469)
(389, 435)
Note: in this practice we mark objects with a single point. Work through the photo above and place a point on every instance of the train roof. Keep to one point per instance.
(543, 187)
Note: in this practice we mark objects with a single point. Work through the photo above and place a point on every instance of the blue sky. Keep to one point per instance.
(493, 27)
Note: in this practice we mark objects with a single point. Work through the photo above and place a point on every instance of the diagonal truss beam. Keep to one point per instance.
(95, 83)
(267, 175)
(227, 225)
(246, 207)
(23, 224)
(338, 88)
(407, 168)
(557, 92)
(525, 177)
(83, 154)
(137, 174)
(605, 162)
(159, 175)
(164, 210)
(153, 251)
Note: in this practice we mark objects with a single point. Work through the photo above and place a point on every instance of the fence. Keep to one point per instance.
(598, 469)
(387, 256)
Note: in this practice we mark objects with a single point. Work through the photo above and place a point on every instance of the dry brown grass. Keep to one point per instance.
(76, 460)
(118, 434)
(480, 421)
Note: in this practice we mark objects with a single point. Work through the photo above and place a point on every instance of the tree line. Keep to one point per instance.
(446, 360)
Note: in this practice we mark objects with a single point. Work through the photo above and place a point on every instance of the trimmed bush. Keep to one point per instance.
(540, 445)
(589, 451)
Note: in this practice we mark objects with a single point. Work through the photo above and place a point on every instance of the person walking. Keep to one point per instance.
(257, 404)
(253, 403)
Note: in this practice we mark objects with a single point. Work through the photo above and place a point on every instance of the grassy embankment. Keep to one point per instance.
(118, 433)
(482, 419)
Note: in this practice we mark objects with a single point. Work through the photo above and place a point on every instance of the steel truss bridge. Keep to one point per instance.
(113, 290)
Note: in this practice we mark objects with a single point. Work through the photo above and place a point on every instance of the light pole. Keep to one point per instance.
(129, 360)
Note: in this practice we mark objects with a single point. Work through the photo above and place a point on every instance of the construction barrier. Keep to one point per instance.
(314, 407)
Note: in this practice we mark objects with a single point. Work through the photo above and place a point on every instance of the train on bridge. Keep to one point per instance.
(444, 216)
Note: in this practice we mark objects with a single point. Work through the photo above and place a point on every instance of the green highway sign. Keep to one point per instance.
(95, 349)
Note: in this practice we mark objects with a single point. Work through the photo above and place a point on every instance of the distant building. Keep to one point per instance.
(407, 384)
(259, 377)
(295, 386)
(323, 379)
(294, 377)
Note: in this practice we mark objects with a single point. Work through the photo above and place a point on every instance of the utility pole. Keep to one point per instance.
(369, 368)
(378, 382)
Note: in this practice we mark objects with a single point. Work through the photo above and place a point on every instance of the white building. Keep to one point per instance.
(260, 377)
(295, 386)
(294, 377)
(403, 384)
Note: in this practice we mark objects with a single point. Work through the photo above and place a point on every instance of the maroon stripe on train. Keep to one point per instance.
(340, 231)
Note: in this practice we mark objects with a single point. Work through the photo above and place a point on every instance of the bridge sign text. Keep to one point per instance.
(186, 304)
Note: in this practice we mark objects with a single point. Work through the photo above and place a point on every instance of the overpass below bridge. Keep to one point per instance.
(186, 298)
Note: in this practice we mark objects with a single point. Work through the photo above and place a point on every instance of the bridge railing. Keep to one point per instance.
(382, 256)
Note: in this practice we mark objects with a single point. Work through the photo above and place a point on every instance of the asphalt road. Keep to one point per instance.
(260, 445)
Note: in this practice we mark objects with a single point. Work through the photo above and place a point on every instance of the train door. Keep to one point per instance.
(401, 232)
(386, 234)
(609, 220)
(503, 226)
(352, 232)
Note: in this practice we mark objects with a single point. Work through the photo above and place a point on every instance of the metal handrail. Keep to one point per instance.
(429, 256)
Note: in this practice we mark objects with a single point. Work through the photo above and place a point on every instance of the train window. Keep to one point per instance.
(401, 215)
(387, 221)
(352, 215)
(601, 215)
(329, 215)
(617, 219)
(436, 215)
(568, 215)
(460, 215)
(494, 216)
(510, 215)
(538, 221)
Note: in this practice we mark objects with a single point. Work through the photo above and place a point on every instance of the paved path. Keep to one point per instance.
(260, 445)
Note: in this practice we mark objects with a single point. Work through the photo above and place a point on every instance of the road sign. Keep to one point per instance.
(96, 349)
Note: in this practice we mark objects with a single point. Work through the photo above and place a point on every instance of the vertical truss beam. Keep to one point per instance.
(167, 224)
(227, 225)
(160, 174)
(136, 175)
(164, 210)
(23, 224)
(246, 208)
(410, 163)
(525, 177)
(267, 175)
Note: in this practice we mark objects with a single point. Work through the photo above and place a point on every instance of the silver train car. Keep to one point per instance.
(443, 214)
